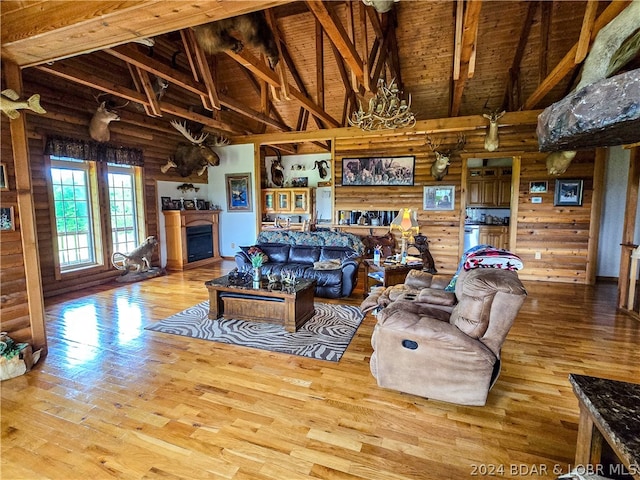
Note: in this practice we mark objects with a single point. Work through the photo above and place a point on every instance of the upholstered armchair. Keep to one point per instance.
(443, 354)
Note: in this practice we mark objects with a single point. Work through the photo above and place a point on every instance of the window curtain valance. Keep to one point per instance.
(94, 151)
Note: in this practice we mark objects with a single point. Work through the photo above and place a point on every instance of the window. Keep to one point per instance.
(122, 203)
(71, 181)
(83, 216)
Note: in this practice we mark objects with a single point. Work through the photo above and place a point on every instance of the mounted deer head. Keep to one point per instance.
(491, 140)
(194, 157)
(99, 125)
(558, 162)
(440, 167)
(322, 166)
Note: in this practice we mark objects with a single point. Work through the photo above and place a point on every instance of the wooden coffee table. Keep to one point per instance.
(268, 303)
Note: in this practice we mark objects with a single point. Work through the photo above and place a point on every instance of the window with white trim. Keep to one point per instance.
(74, 213)
(123, 208)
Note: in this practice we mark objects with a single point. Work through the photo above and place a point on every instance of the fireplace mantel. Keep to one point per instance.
(176, 223)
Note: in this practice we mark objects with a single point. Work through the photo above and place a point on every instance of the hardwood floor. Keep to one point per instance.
(112, 400)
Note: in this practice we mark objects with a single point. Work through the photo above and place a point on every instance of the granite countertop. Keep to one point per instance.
(615, 408)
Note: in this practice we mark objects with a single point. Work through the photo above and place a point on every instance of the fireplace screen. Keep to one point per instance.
(199, 242)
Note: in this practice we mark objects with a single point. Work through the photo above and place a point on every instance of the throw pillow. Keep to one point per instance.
(326, 265)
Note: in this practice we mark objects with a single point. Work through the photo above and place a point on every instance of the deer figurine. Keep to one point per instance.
(440, 167)
(195, 156)
(103, 116)
(491, 140)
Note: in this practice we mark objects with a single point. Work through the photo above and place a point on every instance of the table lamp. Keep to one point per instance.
(406, 223)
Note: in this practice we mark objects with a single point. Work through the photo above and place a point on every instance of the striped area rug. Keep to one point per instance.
(325, 336)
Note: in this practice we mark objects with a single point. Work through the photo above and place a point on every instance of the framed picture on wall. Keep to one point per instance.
(538, 187)
(238, 192)
(167, 203)
(7, 222)
(378, 171)
(439, 197)
(568, 192)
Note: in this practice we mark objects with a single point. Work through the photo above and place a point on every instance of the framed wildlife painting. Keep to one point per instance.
(378, 171)
(568, 192)
(238, 192)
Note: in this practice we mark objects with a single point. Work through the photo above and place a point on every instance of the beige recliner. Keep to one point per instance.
(453, 356)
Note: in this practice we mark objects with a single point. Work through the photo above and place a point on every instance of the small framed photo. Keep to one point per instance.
(538, 187)
(439, 197)
(201, 205)
(189, 205)
(4, 181)
(568, 192)
(299, 182)
(239, 192)
(167, 204)
(176, 204)
(536, 199)
(7, 221)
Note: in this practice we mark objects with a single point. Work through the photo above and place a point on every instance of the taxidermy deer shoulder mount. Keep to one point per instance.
(491, 140)
(440, 167)
(195, 156)
(216, 36)
(103, 116)
(558, 162)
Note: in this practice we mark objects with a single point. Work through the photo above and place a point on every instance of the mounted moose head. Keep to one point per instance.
(99, 126)
(194, 157)
(440, 167)
(491, 140)
(558, 162)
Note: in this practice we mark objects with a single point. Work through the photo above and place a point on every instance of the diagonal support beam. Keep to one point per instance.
(568, 61)
(467, 53)
(200, 60)
(338, 35)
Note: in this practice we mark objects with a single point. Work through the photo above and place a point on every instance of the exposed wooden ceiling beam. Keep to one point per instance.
(42, 32)
(74, 75)
(201, 63)
(590, 12)
(469, 39)
(250, 62)
(142, 82)
(337, 34)
(568, 61)
(546, 9)
(511, 91)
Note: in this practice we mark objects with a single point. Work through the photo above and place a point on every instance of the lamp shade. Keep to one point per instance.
(405, 222)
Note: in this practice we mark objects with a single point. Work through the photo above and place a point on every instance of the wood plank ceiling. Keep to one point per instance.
(454, 58)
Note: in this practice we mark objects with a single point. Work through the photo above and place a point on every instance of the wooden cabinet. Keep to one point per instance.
(177, 223)
(287, 200)
(489, 187)
(494, 235)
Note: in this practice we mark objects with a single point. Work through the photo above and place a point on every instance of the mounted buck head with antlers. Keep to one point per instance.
(196, 156)
(491, 140)
(103, 116)
(440, 167)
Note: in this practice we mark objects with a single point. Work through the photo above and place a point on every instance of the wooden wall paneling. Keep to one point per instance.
(596, 214)
(560, 233)
(26, 215)
(628, 228)
(68, 118)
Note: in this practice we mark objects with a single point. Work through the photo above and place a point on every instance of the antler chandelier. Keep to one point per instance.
(386, 110)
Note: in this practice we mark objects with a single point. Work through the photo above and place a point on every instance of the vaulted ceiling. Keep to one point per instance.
(453, 58)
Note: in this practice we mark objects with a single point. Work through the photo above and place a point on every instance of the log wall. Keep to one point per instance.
(14, 306)
(560, 234)
(71, 117)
